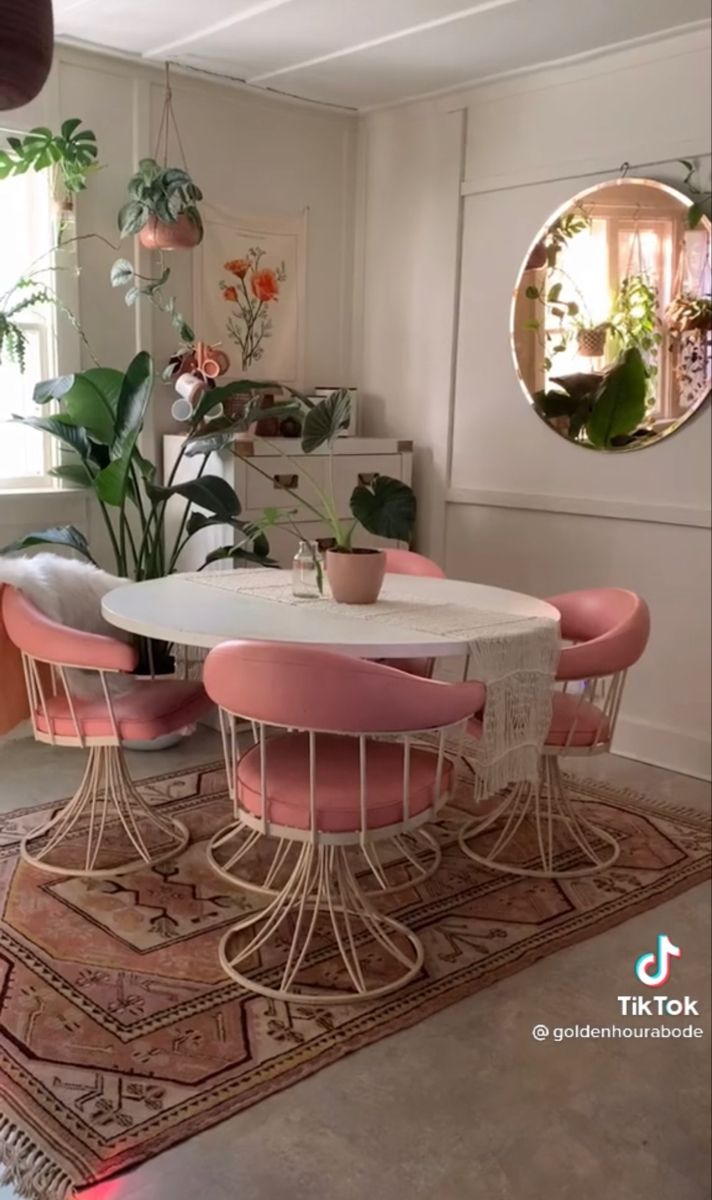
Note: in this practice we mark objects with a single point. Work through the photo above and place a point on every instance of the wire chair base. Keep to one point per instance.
(107, 818)
(245, 858)
(561, 829)
(322, 905)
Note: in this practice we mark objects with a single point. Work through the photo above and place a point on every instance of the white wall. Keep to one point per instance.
(452, 192)
(250, 154)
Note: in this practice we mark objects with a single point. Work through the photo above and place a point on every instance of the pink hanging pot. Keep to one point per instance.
(181, 234)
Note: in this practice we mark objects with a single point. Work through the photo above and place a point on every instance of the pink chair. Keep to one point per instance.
(335, 768)
(407, 562)
(608, 629)
(106, 829)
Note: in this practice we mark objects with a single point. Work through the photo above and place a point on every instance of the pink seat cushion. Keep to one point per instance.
(149, 710)
(337, 782)
(568, 711)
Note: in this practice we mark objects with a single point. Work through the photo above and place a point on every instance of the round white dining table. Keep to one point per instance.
(180, 609)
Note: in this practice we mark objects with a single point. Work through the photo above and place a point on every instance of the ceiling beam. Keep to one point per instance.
(424, 27)
(255, 10)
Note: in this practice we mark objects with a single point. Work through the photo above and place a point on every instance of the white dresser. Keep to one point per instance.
(356, 459)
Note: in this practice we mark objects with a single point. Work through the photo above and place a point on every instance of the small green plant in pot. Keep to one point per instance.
(383, 506)
(162, 208)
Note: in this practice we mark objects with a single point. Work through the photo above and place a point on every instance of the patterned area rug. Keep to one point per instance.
(120, 1036)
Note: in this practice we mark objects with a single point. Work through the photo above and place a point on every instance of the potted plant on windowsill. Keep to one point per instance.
(70, 155)
(162, 208)
(381, 505)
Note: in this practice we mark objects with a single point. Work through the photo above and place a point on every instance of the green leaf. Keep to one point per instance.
(64, 430)
(67, 127)
(122, 272)
(210, 492)
(239, 554)
(59, 535)
(555, 292)
(619, 405)
(323, 422)
(136, 388)
(695, 213)
(52, 389)
(86, 406)
(386, 507)
(74, 473)
(132, 218)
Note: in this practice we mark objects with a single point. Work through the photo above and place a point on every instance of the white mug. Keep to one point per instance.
(181, 409)
(190, 387)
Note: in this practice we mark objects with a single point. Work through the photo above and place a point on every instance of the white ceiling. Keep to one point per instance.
(364, 53)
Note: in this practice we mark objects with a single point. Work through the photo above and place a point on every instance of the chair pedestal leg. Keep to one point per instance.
(106, 829)
(245, 858)
(321, 908)
(561, 829)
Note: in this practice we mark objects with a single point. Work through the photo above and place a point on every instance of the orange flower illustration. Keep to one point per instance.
(238, 266)
(265, 285)
(230, 293)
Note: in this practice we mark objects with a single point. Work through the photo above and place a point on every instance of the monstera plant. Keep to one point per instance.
(603, 409)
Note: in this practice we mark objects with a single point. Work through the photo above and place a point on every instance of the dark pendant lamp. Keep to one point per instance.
(26, 43)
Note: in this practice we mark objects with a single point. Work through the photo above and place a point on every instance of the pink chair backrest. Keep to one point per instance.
(407, 562)
(305, 688)
(612, 626)
(48, 641)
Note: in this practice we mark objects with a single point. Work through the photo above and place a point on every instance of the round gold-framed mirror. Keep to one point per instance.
(612, 316)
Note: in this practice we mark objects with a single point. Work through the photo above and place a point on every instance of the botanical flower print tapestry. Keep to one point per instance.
(249, 293)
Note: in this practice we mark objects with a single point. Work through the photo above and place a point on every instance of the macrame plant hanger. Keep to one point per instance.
(168, 121)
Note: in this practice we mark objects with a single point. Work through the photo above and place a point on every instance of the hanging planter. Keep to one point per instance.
(182, 234)
(26, 48)
(689, 314)
(162, 207)
(592, 341)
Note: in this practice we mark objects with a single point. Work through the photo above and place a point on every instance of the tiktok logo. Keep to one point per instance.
(653, 968)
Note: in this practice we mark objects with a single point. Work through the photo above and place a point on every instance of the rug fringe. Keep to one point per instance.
(32, 1174)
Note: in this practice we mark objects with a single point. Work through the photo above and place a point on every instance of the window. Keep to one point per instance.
(26, 222)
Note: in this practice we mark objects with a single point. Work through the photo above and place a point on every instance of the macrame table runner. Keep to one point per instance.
(514, 656)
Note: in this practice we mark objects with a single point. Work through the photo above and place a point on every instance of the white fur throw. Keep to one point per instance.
(70, 592)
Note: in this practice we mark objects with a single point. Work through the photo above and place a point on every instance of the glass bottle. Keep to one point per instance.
(306, 571)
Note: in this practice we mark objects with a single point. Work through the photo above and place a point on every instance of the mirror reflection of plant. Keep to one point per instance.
(605, 409)
(635, 322)
(551, 299)
(702, 203)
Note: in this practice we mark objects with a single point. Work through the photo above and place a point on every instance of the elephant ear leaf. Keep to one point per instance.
(112, 483)
(619, 406)
(385, 507)
(324, 421)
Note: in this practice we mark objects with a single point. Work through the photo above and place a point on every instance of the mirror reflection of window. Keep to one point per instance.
(600, 283)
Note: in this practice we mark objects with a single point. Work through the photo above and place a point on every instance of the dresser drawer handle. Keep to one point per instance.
(367, 477)
(286, 481)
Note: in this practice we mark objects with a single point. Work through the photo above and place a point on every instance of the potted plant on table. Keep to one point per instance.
(162, 208)
(381, 505)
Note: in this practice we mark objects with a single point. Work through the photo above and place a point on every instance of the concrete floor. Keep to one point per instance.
(466, 1105)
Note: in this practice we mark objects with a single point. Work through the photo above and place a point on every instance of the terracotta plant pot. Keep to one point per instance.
(355, 576)
(592, 342)
(178, 235)
(25, 50)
